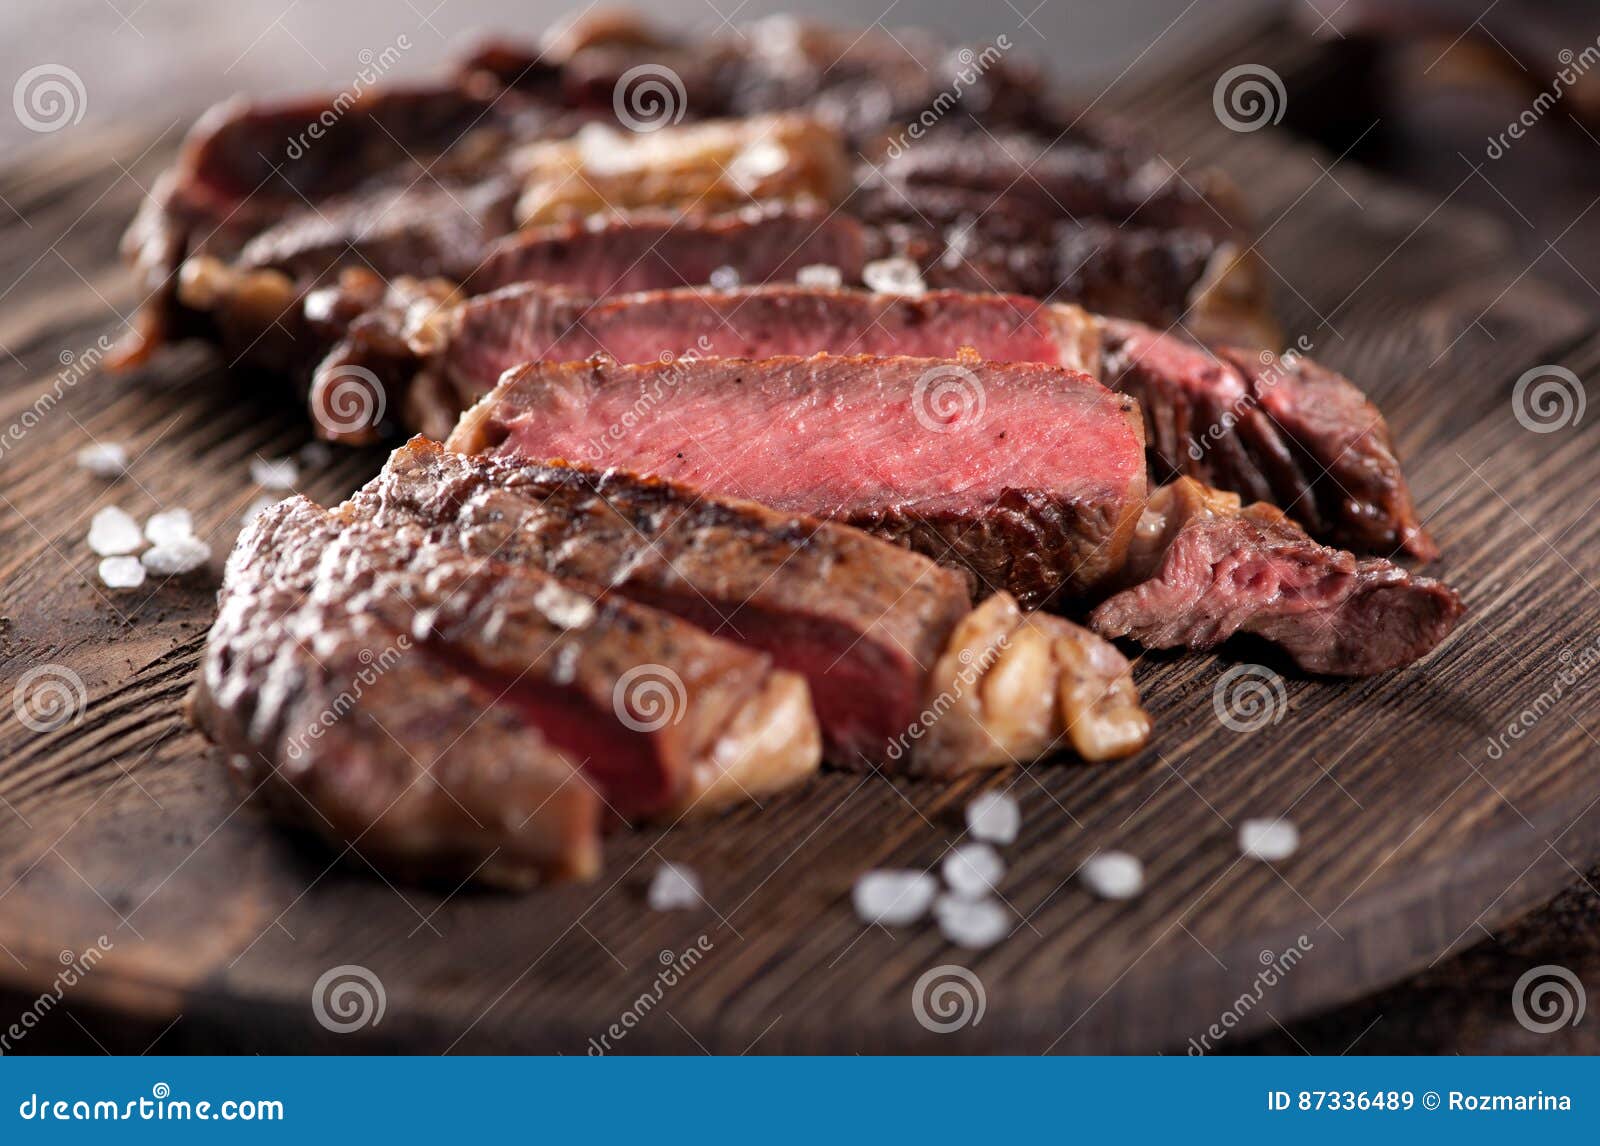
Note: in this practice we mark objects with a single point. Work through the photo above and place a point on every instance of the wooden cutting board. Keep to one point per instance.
(1418, 830)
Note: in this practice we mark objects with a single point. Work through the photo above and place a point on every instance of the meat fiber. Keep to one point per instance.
(657, 716)
(864, 621)
(1276, 428)
(1204, 568)
(1030, 477)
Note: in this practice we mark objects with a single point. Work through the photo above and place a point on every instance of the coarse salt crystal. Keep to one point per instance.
(674, 888)
(1268, 839)
(895, 897)
(972, 923)
(725, 278)
(176, 555)
(104, 460)
(121, 572)
(973, 869)
(168, 525)
(1113, 875)
(994, 817)
(114, 532)
(274, 473)
(820, 275)
(898, 275)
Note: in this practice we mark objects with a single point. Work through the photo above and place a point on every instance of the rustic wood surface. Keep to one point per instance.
(1416, 839)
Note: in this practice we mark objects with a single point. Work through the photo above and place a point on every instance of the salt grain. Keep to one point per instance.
(972, 923)
(820, 275)
(898, 275)
(1268, 839)
(114, 532)
(274, 473)
(168, 525)
(121, 572)
(973, 869)
(1113, 875)
(175, 556)
(894, 897)
(725, 278)
(315, 454)
(674, 888)
(104, 460)
(994, 817)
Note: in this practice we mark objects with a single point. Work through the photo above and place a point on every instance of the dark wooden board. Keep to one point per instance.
(1415, 837)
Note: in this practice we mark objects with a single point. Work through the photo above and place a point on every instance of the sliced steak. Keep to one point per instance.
(864, 621)
(1203, 569)
(655, 250)
(1271, 428)
(1029, 476)
(486, 336)
(659, 716)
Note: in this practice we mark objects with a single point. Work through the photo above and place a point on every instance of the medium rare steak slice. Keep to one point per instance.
(1203, 569)
(656, 250)
(486, 336)
(1282, 430)
(871, 626)
(659, 716)
(1029, 476)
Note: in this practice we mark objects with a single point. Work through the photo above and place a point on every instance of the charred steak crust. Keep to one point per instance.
(1205, 568)
(1272, 428)
(860, 618)
(1048, 491)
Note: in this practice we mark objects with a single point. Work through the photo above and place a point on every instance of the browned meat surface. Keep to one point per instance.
(1031, 477)
(1203, 569)
(862, 620)
(624, 705)
(1278, 429)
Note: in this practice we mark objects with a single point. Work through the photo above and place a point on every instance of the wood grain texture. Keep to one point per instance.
(1414, 834)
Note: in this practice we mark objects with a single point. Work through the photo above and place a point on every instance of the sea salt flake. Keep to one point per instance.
(1268, 839)
(972, 923)
(821, 275)
(898, 275)
(315, 455)
(1113, 875)
(104, 460)
(994, 817)
(894, 897)
(256, 508)
(113, 532)
(121, 572)
(175, 556)
(725, 278)
(973, 869)
(674, 888)
(168, 525)
(274, 473)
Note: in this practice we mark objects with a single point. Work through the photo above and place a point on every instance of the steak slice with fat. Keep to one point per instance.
(1031, 477)
(879, 632)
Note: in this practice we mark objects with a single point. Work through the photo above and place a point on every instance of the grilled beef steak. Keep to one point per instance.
(1279, 429)
(862, 620)
(1204, 568)
(1031, 477)
(659, 716)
